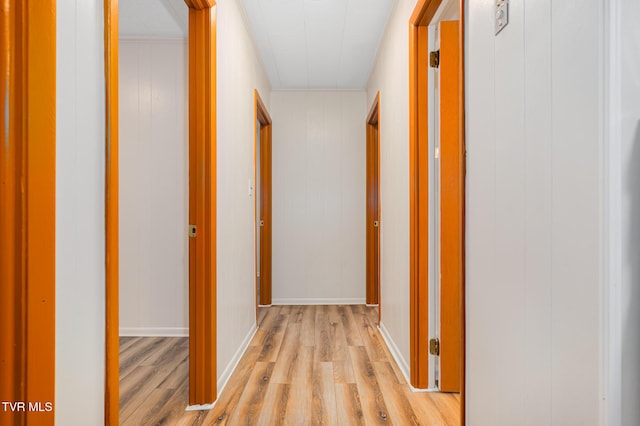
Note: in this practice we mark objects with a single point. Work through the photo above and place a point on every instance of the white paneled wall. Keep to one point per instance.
(390, 76)
(80, 238)
(153, 187)
(239, 73)
(533, 214)
(318, 197)
(630, 150)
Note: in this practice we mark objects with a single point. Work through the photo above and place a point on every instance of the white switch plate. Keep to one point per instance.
(502, 15)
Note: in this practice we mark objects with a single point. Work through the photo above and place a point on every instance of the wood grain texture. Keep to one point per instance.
(264, 214)
(27, 215)
(202, 202)
(112, 197)
(418, 202)
(451, 208)
(297, 388)
(372, 203)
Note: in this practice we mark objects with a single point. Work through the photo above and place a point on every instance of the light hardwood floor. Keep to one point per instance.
(306, 365)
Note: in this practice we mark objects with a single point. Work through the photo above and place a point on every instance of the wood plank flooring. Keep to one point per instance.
(306, 365)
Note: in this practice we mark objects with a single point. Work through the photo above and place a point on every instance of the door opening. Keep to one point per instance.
(263, 225)
(437, 159)
(202, 207)
(373, 205)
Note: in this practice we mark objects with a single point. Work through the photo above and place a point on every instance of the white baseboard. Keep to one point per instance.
(199, 407)
(402, 363)
(154, 331)
(395, 352)
(319, 301)
(228, 371)
(226, 374)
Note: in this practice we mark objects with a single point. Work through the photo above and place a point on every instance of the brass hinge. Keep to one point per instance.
(434, 346)
(434, 59)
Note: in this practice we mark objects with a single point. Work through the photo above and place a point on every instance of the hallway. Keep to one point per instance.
(313, 364)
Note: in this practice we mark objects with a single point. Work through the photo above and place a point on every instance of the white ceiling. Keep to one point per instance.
(153, 18)
(304, 44)
(317, 44)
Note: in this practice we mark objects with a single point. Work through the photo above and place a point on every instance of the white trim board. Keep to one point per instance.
(230, 368)
(154, 331)
(395, 352)
(228, 371)
(611, 214)
(402, 363)
(319, 301)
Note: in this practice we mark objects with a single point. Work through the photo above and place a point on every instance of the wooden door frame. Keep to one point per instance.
(419, 193)
(202, 148)
(27, 197)
(451, 203)
(261, 115)
(373, 124)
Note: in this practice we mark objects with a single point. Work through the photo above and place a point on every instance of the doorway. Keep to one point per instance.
(154, 210)
(202, 208)
(437, 156)
(447, 200)
(373, 205)
(263, 222)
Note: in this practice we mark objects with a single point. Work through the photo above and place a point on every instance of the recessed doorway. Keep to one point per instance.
(263, 222)
(373, 205)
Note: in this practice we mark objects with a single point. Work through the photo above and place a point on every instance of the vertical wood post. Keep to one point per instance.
(112, 250)
(27, 212)
(202, 201)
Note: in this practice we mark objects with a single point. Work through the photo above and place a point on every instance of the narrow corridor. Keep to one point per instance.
(305, 365)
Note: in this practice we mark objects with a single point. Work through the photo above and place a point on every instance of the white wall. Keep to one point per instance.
(80, 160)
(154, 156)
(239, 73)
(318, 197)
(630, 150)
(390, 76)
(533, 214)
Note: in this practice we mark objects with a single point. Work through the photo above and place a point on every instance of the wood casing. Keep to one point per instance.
(27, 216)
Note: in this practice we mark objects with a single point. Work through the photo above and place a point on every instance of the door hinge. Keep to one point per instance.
(192, 231)
(434, 59)
(434, 347)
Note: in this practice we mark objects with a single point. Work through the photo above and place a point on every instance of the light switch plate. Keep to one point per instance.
(502, 15)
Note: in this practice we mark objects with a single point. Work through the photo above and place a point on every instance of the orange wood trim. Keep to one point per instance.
(423, 12)
(40, 208)
(256, 218)
(372, 204)
(414, 326)
(112, 256)
(372, 116)
(378, 166)
(263, 212)
(200, 4)
(27, 218)
(451, 204)
(12, 368)
(461, 106)
(421, 17)
(202, 205)
(262, 113)
(419, 206)
(265, 207)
